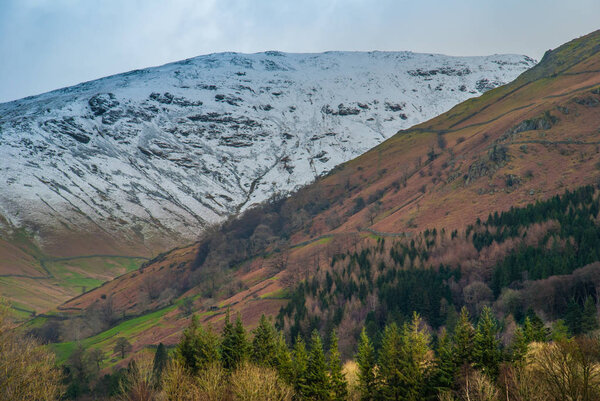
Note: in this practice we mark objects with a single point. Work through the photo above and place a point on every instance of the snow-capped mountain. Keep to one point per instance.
(163, 151)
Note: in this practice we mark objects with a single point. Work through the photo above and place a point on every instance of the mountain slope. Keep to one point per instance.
(526, 141)
(142, 161)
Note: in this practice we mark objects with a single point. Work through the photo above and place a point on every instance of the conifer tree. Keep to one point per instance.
(574, 317)
(198, 346)
(186, 350)
(300, 367)
(339, 385)
(160, 362)
(519, 345)
(534, 330)
(486, 344)
(589, 318)
(234, 345)
(284, 364)
(318, 385)
(365, 359)
(464, 335)
(414, 359)
(445, 367)
(208, 346)
(560, 331)
(264, 344)
(390, 375)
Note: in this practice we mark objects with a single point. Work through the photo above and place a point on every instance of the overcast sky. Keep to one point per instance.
(49, 44)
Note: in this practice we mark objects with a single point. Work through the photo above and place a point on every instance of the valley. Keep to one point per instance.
(332, 226)
(513, 146)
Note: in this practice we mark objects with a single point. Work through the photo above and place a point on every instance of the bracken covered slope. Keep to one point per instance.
(525, 141)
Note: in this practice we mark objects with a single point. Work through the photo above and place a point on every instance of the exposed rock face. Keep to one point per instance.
(161, 152)
(496, 157)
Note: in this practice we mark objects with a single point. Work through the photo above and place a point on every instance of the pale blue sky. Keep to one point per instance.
(48, 44)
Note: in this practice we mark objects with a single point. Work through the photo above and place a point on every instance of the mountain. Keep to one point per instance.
(140, 162)
(516, 145)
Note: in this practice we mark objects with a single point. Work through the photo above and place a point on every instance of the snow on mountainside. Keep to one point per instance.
(161, 152)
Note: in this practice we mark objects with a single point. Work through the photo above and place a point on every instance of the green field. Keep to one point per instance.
(106, 340)
(63, 279)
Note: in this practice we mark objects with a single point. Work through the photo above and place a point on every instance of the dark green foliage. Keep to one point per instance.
(399, 293)
(560, 331)
(402, 362)
(300, 367)
(575, 212)
(79, 371)
(486, 350)
(318, 384)
(415, 357)
(284, 363)
(339, 385)
(264, 344)
(109, 384)
(464, 337)
(234, 344)
(574, 317)
(589, 318)
(365, 358)
(519, 345)
(445, 365)
(198, 347)
(161, 358)
(534, 329)
(389, 364)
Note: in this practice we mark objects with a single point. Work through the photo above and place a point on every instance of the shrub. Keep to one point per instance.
(27, 371)
(252, 383)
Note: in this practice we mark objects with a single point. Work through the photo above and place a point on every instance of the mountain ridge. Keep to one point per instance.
(153, 155)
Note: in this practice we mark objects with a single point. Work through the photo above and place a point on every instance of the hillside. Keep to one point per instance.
(524, 142)
(142, 161)
(137, 163)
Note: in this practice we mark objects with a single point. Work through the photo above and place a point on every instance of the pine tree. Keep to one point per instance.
(339, 385)
(519, 345)
(284, 364)
(445, 367)
(264, 344)
(464, 335)
(560, 331)
(300, 367)
(160, 362)
(234, 345)
(414, 359)
(318, 385)
(589, 318)
(574, 317)
(365, 359)
(186, 350)
(486, 344)
(389, 365)
(534, 330)
(198, 346)
(207, 346)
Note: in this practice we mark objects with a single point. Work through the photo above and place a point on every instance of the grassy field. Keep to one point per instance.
(62, 280)
(106, 340)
